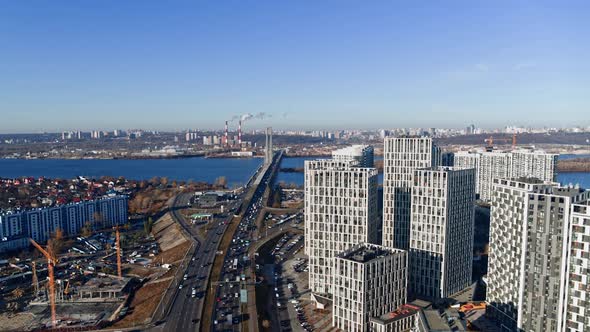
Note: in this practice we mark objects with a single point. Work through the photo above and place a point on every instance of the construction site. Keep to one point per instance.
(113, 278)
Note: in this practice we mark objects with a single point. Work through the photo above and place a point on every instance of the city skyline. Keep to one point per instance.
(162, 66)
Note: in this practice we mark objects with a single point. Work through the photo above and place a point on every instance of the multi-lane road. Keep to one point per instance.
(185, 311)
(185, 308)
(227, 312)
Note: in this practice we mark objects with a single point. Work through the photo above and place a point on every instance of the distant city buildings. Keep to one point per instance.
(369, 281)
(490, 165)
(96, 134)
(17, 227)
(401, 157)
(441, 231)
(340, 211)
(191, 136)
(538, 256)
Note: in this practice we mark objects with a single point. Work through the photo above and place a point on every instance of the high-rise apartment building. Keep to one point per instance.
(537, 164)
(490, 165)
(578, 271)
(362, 155)
(441, 231)
(401, 156)
(341, 210)
(369, 281)
(535, 255)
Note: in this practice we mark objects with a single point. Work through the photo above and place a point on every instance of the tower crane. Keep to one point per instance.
(118, 245)
(35, 279)
(51, 263)
(491, 140)
(67, 289)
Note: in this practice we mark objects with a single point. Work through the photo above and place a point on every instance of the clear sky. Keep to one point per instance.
(310, 64)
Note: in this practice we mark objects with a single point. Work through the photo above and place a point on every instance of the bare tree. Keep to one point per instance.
(220, 182)
(57, 241)
(86, 231)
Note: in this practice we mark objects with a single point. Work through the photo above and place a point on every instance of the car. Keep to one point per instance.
(180, 286)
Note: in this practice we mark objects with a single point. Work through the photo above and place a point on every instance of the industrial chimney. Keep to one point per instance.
(240, 133)
(226, 135)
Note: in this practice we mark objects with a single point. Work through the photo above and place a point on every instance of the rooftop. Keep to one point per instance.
(336, 165)
(365, 252)
(403, 311)
(354, 150)
(105, 284)
(538, 186)
(5, 212)
(449, 320)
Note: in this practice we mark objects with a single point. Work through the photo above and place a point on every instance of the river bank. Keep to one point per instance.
(581, 165)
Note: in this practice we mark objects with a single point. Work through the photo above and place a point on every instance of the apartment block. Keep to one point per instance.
(370, 280)
(361, 155)
(441, 231)
(401, 156)
(16, 227)
(531, 237)
(578, 271)
(341, 210)
(490, 165)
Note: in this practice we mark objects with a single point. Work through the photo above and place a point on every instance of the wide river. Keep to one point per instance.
(236, 171)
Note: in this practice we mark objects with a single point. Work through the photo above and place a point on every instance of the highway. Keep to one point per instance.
(227, 311)
(185, 311)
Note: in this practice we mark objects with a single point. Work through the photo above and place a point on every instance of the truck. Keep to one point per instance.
(235, 265)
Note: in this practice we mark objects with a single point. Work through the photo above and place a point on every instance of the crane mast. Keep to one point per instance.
(51, 262)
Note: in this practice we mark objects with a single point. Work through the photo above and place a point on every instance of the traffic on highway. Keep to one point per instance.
(186, 309)
(231, 288)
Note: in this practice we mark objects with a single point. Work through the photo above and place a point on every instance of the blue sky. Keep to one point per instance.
(310, 64)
